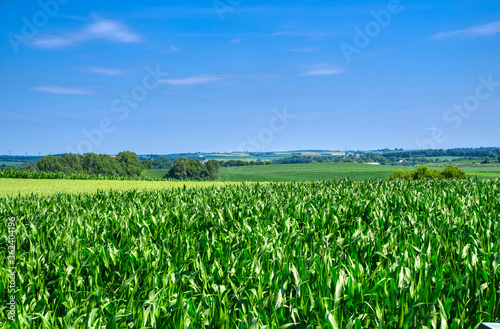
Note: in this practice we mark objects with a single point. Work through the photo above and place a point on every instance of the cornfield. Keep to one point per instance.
(5, 173)
(344, 254)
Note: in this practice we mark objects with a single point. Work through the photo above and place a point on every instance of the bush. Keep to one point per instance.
(401, 175)
(426, 173)
(453, 173)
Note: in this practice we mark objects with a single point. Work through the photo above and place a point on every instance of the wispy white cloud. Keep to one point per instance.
(104, 29)
(302, 34)
(485, 30)
(211, 79)
(105, 71)
(304, 49)
(236, 41)
(322, 69)
(323, 72)
(194, 80)
(61, 90)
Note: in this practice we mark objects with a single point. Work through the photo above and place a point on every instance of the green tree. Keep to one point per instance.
(91, 163)
(401, 175)
(162, 163)
(193, 169)
(426, 173)
(130, 163)
(213, 168)
(109, 166)
(50, 163)
(196, 170)
(147, 164)
(452, 172)
(28, 167)
(178, 169)
(73, 162)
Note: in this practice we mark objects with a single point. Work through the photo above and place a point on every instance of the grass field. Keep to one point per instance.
(267, 173)
(307, 172)
(343, 254)
(16, 186)
(321, 172)
(297, 172)
(10, 163)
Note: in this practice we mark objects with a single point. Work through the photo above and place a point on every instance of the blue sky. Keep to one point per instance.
(229, 75)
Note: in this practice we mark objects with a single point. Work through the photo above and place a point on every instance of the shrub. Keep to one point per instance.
(426, 173)
(453, 173)
(401, 175)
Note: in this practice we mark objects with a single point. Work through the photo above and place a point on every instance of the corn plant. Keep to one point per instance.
(9, 173)
(344, 254)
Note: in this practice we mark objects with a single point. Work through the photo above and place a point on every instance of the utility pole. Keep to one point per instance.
(10, 152)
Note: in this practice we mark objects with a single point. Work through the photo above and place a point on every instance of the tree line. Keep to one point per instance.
(125, 164)
(241, 163)
(480, 153)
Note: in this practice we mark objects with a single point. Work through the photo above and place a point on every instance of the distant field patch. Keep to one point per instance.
(481, 168)
(307, 172)
(484, 174)
(10, 163)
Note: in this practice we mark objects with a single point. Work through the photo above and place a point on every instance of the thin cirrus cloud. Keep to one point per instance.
(485, 30)
(322, 69)
(101, 29)
(105, 71)
(211, 79)
(322, 72)
(194, 80)
(61, 90)
(301, 34)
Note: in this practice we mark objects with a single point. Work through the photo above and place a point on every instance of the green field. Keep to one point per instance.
(306, 172)
(266, 173)
(18, 186)
(297, 172)
(342, 254)
(321, 172)
(10, 163)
